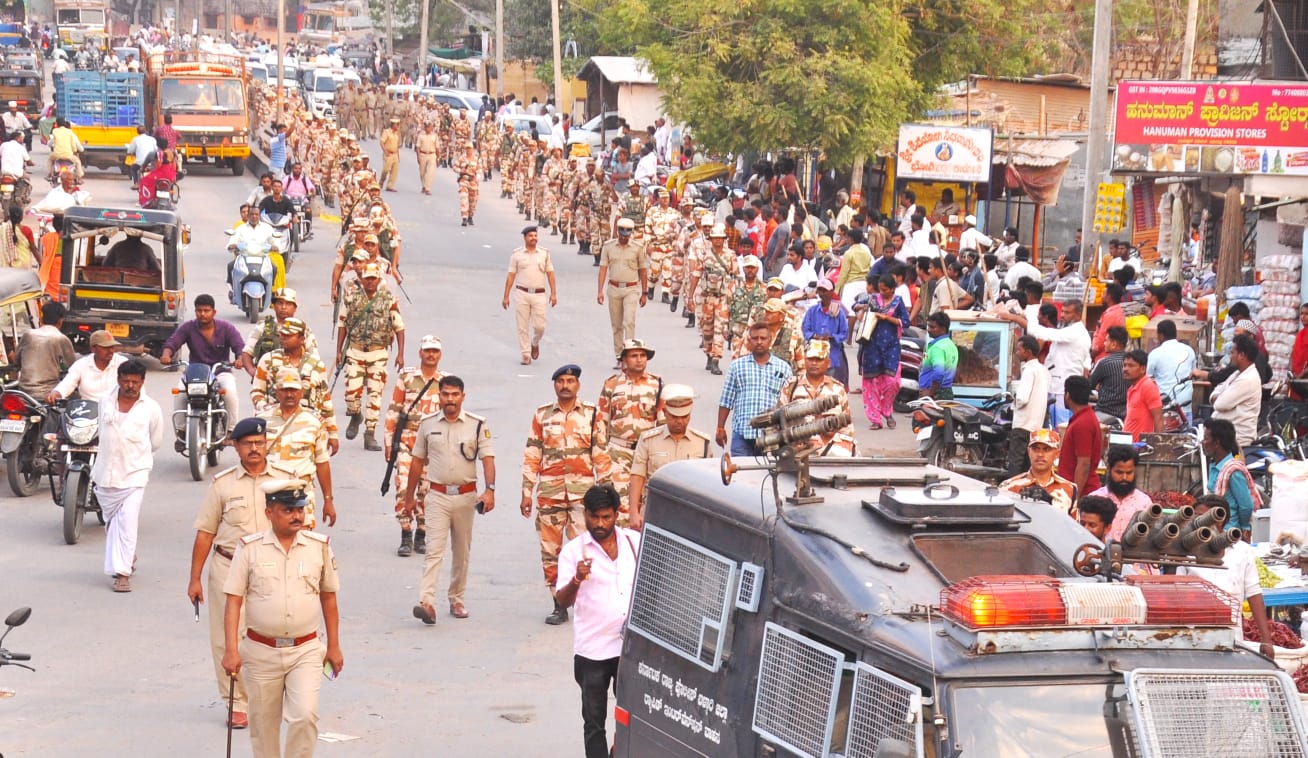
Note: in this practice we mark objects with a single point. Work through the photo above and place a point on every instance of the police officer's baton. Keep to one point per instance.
(231, 696)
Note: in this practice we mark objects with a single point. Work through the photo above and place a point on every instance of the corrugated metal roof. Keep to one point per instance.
(620, 69)
(1034, 152)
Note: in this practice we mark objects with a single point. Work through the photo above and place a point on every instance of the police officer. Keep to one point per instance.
(624, 271)
(674, 441)
(567, 452)
(530, 269)
(230, 510)
(285, 580)
(427, 146)
(445, 451)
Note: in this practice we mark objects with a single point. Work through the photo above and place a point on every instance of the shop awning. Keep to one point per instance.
(453, 53)
(1035, 166)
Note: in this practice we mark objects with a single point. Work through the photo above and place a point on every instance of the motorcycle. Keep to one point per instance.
(78, 441)
(10, 658)
(167, 194)
(253, 273)
(283, 235)
(912, 348)
(57, 168)
(23, 424)
(1258, 457)
(300, 228)
(205, 417)
(14, 189)
(972, 441)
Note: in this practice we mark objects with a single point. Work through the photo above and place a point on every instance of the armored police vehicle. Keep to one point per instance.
(885, 608)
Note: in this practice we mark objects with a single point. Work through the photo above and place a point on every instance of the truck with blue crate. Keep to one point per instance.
(204, 92)
(103, 108)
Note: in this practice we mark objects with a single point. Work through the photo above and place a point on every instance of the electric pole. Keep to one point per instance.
(558, 57)
(422, 40)
(1191, 31)
(281, 54)
(499, 49)
(390, 28)
(1097, 135)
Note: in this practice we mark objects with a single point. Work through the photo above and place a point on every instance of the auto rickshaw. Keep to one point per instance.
(122, 271)
(20, 294)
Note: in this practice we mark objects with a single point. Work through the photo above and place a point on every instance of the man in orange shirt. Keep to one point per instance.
(1113, 315)
(1144, 406)
(1299, 358)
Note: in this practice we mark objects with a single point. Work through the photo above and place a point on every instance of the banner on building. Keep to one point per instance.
(1211, 127)
(944, 153)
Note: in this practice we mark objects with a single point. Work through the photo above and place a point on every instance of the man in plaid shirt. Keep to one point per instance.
(752, 386)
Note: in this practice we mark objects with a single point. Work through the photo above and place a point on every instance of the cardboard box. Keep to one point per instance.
(1191, 331)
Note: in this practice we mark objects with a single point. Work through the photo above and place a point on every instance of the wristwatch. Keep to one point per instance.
(490, 487)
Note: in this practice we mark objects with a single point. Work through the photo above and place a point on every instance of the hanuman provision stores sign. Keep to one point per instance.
(1211, 127)
(944, 153)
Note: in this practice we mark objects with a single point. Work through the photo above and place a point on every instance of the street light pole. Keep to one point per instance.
(499, 49)
(422, 45)
(558, 56)
(1098, 129)
(281, 53)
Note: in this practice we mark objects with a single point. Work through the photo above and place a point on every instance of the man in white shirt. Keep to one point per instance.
(797, 272)
(15, 120)
(662, 138)
(908, 208)
(1007, 251)
(64, 196)
(920, 239)
(647, 167)
(556, 135)
(597, 571)
(131, 429)
(972, 239)
(14, 158)
(1239, 399)
(1030, 401)
(1069, 351)
(91, 376)
(1238, 577)
(1021, 267)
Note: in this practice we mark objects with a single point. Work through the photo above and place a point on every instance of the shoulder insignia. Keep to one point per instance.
(475, 417)
(316, 536)
(279, 468)
(224, 472)
(651, 433)
(247, 539)
(695, 433)
(545, 407)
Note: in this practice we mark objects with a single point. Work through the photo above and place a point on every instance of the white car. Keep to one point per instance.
(589, 132)
(458, 99)
(523, 122)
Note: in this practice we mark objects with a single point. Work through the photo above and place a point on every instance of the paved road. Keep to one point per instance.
(130, 674)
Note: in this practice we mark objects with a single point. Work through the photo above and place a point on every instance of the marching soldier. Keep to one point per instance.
(390, 147)
(567, 452)
(465, 167)
(814, 383)
(368, 323)
(697, 249)
(446, 448)
(264, 338)
(285, 580)
(749, 294)
(507, 145)
(630, 404)
(623, 267)
(297, 442)
(428, 147)
(230, 510)
(661, 223)
(635, 207)
(414, 396)
(294, 355)
(488, 144)
(674, 441)
(530, 268)
(602, 197)
(714, 287)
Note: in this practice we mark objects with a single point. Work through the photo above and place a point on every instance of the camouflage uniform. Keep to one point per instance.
(263, 339)
(506, 161)
(407, 386)
(717, 283)
(465, 166)
(540, 185)
(579, 222)
(552, 175)
(628, 408)
(567, 452)
(662, 225)
(371, 325)
(313, 374)
(488, 145)
(840, 443)
(743, 302)
(298, 444)
(601, 212)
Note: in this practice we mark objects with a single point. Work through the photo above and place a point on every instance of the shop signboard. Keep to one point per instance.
(944, 153)
(1211, 127)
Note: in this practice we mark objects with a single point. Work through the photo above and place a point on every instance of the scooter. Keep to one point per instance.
(167, 194)
(78, 440)
(972, 441)
(912, 347)
(14, 189)
(300, 229)
(23, 424)
(204, 420)
(57, 167)
(250, 282)
(10, 658)
(283, 235)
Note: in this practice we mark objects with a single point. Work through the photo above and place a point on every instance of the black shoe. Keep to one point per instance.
(666, 299)
(420, 542)
(559, 616)
(406, 543)
(649, 293)
(370, 440)
(708, 362)
(713, 367)
(352, 430)
(470, 221)
(463, 222)
(596, 263)
(673, 305)
(690, 321)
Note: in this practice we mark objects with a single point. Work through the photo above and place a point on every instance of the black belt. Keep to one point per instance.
(224, 552)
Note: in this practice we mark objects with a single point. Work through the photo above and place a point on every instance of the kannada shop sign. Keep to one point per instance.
(1211, 127)
(944, 153)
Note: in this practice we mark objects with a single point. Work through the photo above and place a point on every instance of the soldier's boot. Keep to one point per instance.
(649, 293)
(559, 616)
(673, 305)
(370, 440)
(463, 221)
(352, 430)
(554, 232)
(470, 221)
(713, 367)
(406, 543)
(420, 542)
(690, 320)
(665, 298)
(708, 362)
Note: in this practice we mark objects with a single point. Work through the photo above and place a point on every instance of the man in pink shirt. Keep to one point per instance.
(597, 571)
(1121, 488)
(1113, 315)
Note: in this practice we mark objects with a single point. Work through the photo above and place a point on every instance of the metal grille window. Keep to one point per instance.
(798, 684)
(1234, 714)
(682, 596)
(883, 709)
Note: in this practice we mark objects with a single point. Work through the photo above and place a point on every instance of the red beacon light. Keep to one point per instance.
(983, 602)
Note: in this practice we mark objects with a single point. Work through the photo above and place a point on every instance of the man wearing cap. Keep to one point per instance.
(285, 581)
(671, 442)
(91, 376)
(828, 321)
(530, 270)
(465, 171)
(566, 453)
(230, 511)
(427, 146)
(752, 385)
(264, 338)
(714, 286)
(298, 442)
(390, 147)
(369, 322)
(661, 223)
(211, 341)
(15, 120)
(693, 245)
(750, 294)
(416, 396)
(1043, 452)
(446, 448)
(815, 383)
(972, 238)
(623, 272)
(635, 207)
(294, 355)
(630, 404)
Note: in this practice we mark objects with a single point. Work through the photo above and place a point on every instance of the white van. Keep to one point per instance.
(320, 88)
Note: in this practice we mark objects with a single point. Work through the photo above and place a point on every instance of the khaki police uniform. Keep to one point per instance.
(530, 269)
(657, 448)
(281, 651)
(233, 508)
(622, 290)
(450, 450)
(427, 145)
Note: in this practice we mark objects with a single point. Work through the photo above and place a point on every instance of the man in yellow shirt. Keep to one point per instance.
(64, 146)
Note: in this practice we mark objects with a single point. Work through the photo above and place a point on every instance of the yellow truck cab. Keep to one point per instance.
(204, 92)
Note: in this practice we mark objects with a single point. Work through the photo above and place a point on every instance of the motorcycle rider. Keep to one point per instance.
(91, 376)
(277, 202)
(252, 234)
(299, 186)
(164, 169)
(210, 340)
(63, 196)
(14, 160)
(260, 192)
(44, 353)
(64, 146)
(15, 120)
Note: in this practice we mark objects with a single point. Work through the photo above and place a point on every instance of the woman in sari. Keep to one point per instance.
(878, 358)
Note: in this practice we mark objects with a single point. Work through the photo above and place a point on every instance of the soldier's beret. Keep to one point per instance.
(247, 427)
(570, 369)
(529, 229)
